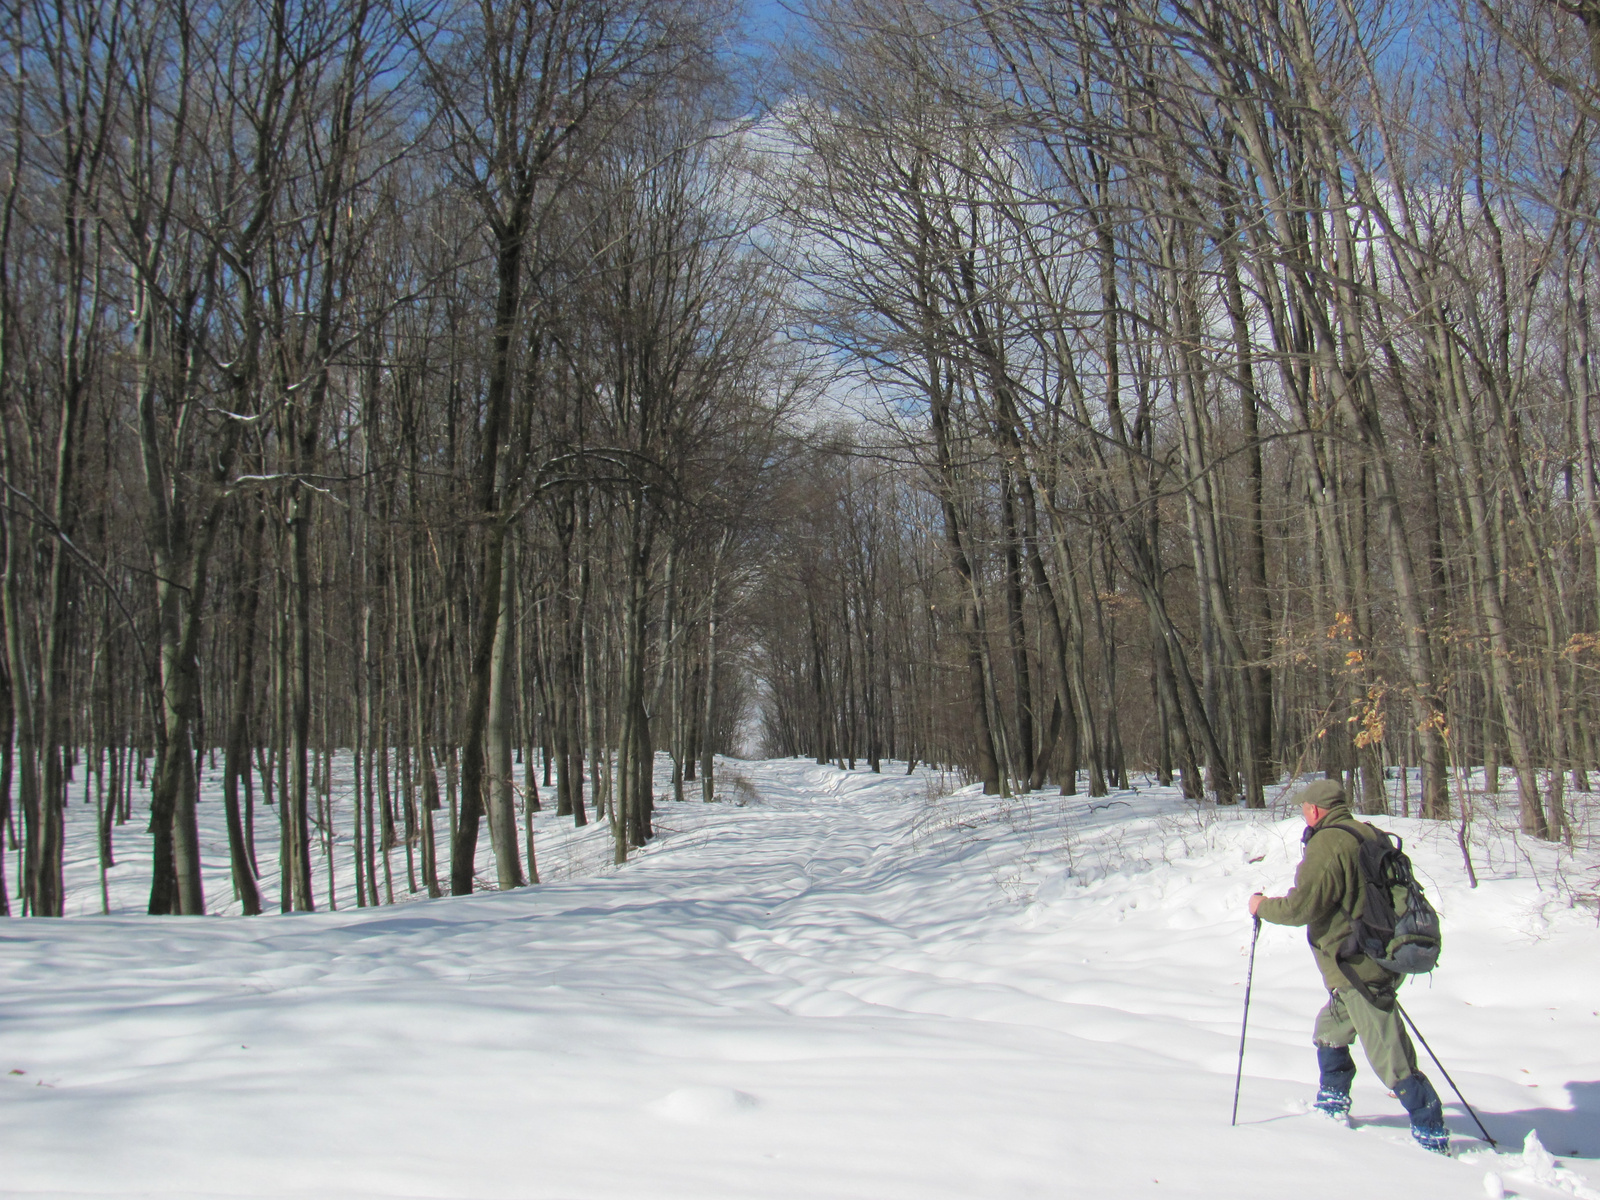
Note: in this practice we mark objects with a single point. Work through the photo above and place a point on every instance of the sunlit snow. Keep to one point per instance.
(855, 985)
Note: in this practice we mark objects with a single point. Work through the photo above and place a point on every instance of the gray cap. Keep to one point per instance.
(1324, 793)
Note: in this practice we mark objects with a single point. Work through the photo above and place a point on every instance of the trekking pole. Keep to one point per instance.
(1245, 1024)
(1447, 1078)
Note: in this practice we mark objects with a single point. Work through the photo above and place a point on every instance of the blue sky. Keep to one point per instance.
(768, 19)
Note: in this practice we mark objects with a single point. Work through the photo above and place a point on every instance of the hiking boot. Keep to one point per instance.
(1427, 1114)
(1338, 1071)
(1436, 1140)
(1334, 1105)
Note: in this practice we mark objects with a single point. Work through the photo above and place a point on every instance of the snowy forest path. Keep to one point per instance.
(857, 985)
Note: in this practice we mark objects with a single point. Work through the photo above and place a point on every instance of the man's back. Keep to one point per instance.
(1327, 891)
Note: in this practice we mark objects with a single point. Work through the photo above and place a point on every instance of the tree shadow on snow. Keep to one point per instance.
(1572, 1132)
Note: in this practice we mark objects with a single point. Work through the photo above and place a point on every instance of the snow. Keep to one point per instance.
(857, 985)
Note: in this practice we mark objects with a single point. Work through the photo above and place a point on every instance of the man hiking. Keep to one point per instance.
(1326, 894)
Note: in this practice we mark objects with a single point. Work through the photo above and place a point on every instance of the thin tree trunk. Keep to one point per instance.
(498, 734)
(236, 755)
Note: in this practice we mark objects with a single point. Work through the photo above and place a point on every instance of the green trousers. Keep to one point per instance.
(1349, 1015)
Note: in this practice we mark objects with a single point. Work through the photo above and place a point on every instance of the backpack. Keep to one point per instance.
(1396, 927)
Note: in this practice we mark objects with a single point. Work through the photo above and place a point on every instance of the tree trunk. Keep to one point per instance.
(502, 809)
(236, 755)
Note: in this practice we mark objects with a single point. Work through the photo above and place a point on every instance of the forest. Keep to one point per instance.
(507, 394)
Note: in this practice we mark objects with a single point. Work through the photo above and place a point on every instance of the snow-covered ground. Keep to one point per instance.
(855, 986)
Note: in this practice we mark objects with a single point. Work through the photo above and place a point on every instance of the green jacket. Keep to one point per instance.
(1327, 890)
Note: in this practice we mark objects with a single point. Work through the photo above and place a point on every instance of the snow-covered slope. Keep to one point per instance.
(856, 986)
